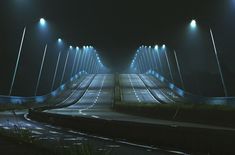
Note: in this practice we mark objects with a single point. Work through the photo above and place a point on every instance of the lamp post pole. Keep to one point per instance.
(178, 67)
(40, 72)
(17, 62)
(160, 62)
(55, 73)
(65, 65)
(169, 66)
(219, 66)
(74, 61)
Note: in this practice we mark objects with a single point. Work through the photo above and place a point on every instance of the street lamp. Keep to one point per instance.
(56, 68)
(168, 62)
(75, 58)
(17, 62)
(178, 67)
(42, 22)
(193, 24)
(159, 59)
(164, 46)
(219, 66)
(65, 65)
(40, 72)
(78, 61)
(59, 40)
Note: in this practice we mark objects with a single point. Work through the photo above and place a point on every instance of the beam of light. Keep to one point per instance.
(193, 24)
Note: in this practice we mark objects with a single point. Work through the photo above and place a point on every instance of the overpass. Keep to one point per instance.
(83, 109)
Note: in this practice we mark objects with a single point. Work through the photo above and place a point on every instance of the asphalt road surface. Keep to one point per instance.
(93, 97)
(97, 102)
(133, 89)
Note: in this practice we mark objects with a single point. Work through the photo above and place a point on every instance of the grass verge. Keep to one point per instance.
(221, 115)
(24, 137)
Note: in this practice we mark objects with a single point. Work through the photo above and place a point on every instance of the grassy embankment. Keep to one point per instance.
(222, 115)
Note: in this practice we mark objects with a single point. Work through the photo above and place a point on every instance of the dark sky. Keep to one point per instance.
(116, 28)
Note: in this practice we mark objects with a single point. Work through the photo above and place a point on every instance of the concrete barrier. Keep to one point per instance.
(189, 97)
(39, 99)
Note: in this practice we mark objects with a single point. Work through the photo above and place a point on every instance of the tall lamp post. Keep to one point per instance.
(65, 65)
(74, 61)
(42, 23)
(159, 59)
(193, 25)
(219, 66)
(40, 72)
(17, 62)
(168, 63)
(56, 68)
(178, 67)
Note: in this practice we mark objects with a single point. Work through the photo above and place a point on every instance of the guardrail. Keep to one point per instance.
(189, 97)
(39, 99)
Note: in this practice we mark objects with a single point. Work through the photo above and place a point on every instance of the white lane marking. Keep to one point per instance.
(146, 86)
(136, 95)
(113, 146)
(23, 128)
(47, 138)
(54, 132)
(153, 83)
(151, 147)
(97, 97)
(74, 91)
(74, 132)
(28, 125)
(95, 116)
(35, 136)
(36, 132)
(73, 139)
(6, 128)
(38, 128)
(53, 127)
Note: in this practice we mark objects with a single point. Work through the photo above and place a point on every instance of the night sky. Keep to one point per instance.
(116, 28)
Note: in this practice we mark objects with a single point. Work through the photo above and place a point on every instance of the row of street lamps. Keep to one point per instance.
(85, 59)
(150, 58)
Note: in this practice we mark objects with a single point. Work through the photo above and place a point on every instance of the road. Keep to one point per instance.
(98, 99)
(93, 97)
(134, 90)
(145, 89)
(50, 135)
